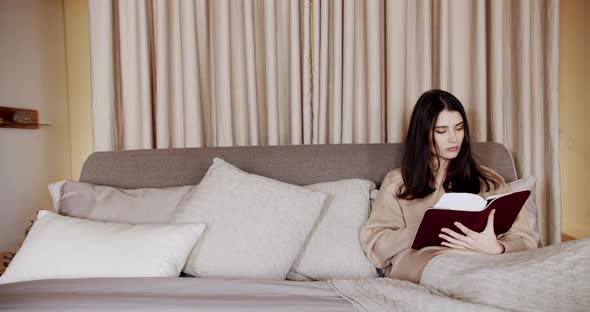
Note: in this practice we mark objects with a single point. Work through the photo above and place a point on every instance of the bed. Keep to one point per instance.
(299, 165)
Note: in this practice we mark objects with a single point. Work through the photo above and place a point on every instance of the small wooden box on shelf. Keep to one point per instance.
(11, 117)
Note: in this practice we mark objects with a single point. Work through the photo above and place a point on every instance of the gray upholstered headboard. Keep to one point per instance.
(297, 164)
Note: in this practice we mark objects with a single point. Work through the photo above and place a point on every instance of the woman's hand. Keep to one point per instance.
(484, 242)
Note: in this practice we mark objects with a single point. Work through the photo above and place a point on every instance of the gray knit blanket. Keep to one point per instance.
(554, 278)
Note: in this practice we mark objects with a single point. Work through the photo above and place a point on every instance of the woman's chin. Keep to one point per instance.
(450, 155)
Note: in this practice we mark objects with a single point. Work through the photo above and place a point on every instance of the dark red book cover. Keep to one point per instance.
(507, 209)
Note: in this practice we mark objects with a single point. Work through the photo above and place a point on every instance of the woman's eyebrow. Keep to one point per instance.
(437, 127)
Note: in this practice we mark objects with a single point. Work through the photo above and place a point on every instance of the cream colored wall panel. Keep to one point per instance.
(32, 75)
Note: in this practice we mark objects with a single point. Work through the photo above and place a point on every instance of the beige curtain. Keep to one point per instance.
(372, 60)
(176, 73)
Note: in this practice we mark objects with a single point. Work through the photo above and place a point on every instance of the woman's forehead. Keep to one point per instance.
(448, 118)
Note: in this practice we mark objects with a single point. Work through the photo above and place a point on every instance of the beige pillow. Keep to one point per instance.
(530, 206)
(104, 203)
(256, 226)
(333, 249)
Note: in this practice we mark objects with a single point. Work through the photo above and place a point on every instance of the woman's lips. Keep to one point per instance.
(453, 149)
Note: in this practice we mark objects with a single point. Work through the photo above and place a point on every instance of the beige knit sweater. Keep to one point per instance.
(393, 222)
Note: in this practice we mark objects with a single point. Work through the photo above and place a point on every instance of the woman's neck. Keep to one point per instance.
(439, 169)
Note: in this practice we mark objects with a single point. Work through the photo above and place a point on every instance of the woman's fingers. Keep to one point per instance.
(454, 241)
(463, 228)
(484, 242)
(455, 235)
(490, 224)
(447, 244)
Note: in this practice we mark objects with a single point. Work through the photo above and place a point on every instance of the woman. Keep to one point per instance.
(437, 160)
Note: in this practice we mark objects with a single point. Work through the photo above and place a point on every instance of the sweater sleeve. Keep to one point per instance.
(385, 234)
(519, 236)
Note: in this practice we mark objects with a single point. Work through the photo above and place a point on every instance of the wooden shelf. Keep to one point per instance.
(19, 118)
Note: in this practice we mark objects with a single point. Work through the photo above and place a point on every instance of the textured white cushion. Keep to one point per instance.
(333, 250)
(65, 247)
(530, 206)
(104, 203)
(256, 225)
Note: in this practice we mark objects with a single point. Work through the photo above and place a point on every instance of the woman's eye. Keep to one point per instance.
(440, 132)
(460, 128)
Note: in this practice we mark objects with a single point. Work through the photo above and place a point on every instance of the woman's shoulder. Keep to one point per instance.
(393, 178)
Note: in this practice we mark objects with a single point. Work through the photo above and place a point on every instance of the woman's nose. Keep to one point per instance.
(452, 136)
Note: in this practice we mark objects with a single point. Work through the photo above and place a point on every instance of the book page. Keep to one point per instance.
(461, 201)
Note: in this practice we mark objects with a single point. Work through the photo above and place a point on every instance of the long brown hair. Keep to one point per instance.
(464, 174)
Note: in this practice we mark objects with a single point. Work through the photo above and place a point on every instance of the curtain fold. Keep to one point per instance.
(181, 73)
(184, 73)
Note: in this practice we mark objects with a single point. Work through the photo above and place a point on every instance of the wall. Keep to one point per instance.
(78, 72)
(32, 75)
(574, 112)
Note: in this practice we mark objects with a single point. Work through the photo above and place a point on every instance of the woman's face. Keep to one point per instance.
(448, 134)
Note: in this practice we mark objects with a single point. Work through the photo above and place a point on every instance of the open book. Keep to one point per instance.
(470, 210)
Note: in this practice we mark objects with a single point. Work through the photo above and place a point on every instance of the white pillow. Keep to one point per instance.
(256, 225)
(334, 249)
(64, 247)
